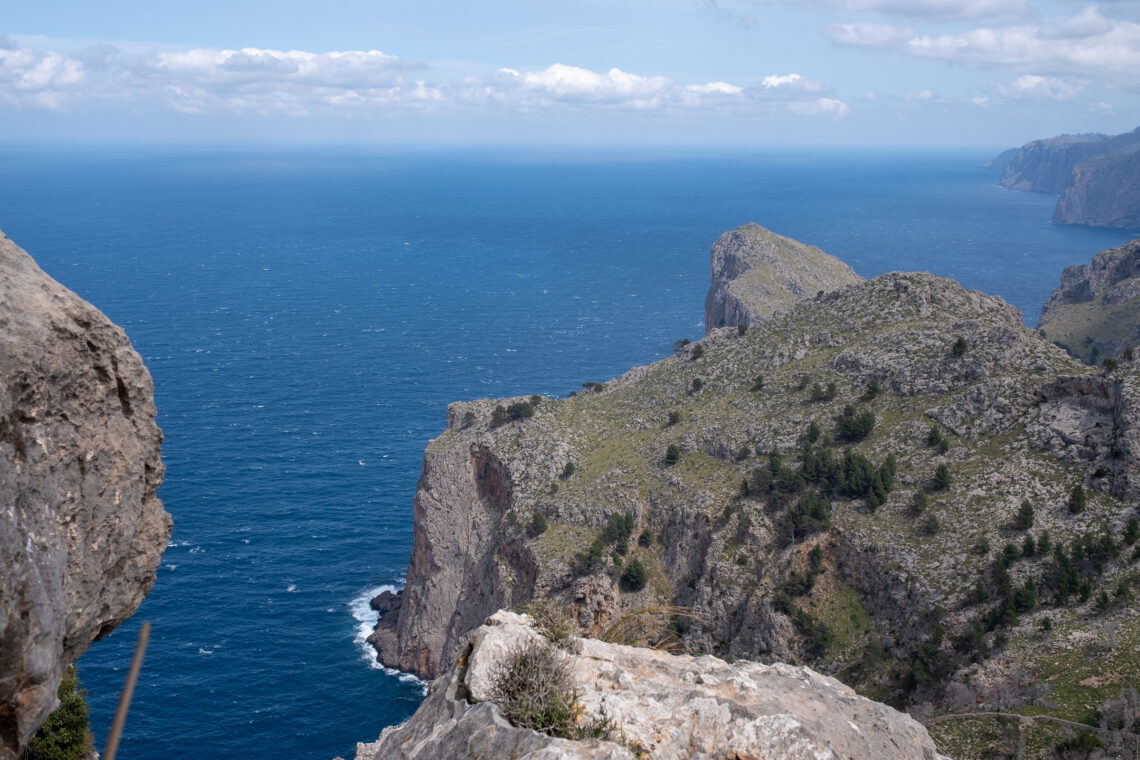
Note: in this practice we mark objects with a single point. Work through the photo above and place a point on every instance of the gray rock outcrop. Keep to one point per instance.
(81, 530)
(1095, 312)
(667, 707)
(757, 273)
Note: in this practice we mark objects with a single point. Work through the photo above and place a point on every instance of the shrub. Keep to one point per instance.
(757, 384)
(813, 432)
(697, 352)
(959, 347)
(930, 526)
(941, 478)
(634, 576)
(1023, 520)
(590, 559)
(519, 410)
(1131, 531)
(617, 530)
(697, 384)
(744, 452)
(646, 538)
(872, 389)
(65, 735)
(819, 393)
(674, 417)
(1077, 499)
(1028, 546)
(852, 426)
(742, 328)
(538, 524)
(568, 470)
(1109, 364)
(468, 419)
(553, 622)
(533, 688)
(672, 454)
(678, 345)
(918, 505)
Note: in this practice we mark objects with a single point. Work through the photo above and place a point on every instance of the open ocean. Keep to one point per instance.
(308, 315)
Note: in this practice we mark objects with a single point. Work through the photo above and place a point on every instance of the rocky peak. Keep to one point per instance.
(757, 273)
(82, 529)
(661, 707)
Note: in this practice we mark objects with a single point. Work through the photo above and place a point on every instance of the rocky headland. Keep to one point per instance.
(1096, 176)
(1095, 313)
(757, 273)
(895, 483)
(82, 530)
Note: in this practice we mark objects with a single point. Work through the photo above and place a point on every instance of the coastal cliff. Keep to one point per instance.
(844, 485)
(83, 530)
(1103, 193)
(1095, 175)
(662, 707)
(757, 273)
(1095, 313)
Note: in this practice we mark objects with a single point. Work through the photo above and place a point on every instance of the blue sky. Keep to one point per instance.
(709, 73)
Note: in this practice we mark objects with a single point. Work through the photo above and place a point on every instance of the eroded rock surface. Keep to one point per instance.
(667, 707)
(81, 530)
(756, 273)
(1095, 313)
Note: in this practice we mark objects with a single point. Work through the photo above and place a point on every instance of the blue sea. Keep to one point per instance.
(307, 315)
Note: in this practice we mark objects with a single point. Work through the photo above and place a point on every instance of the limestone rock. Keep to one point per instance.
(1095, 313)
(668, 707)
(756, 273)
(81, 530)
(1103, 193)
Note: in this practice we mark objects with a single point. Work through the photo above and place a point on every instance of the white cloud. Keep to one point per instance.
(1083, 45)
(935, 10)
(1052, 88)
(299, 83)
(836, 109)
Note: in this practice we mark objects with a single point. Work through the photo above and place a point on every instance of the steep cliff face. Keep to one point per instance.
(1095, 313)
(667, 707)
(82, 530)
(1096, 176)
(756, 273)
(1044, 166)
(1103, 193)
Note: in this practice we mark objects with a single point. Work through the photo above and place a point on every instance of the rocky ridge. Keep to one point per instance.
(757, 273)
(82, 529)
(1095, 313)
(894, 592)
(666, 707)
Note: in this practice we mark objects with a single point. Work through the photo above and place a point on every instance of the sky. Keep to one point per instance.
(702, 73)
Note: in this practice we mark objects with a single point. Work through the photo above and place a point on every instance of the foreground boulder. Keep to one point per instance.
(661, 706)
(81, 530)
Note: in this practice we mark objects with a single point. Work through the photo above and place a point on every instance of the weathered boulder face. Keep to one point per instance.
(757, 273)
(1103, 193)
(81, 530)
(1095, 313)
(669, 707)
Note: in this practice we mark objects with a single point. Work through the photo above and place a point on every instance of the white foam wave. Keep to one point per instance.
(205, 651)
(366, 619)
(291, 588)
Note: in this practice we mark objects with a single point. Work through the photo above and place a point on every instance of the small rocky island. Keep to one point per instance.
(893, 482)
(1097, 176)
